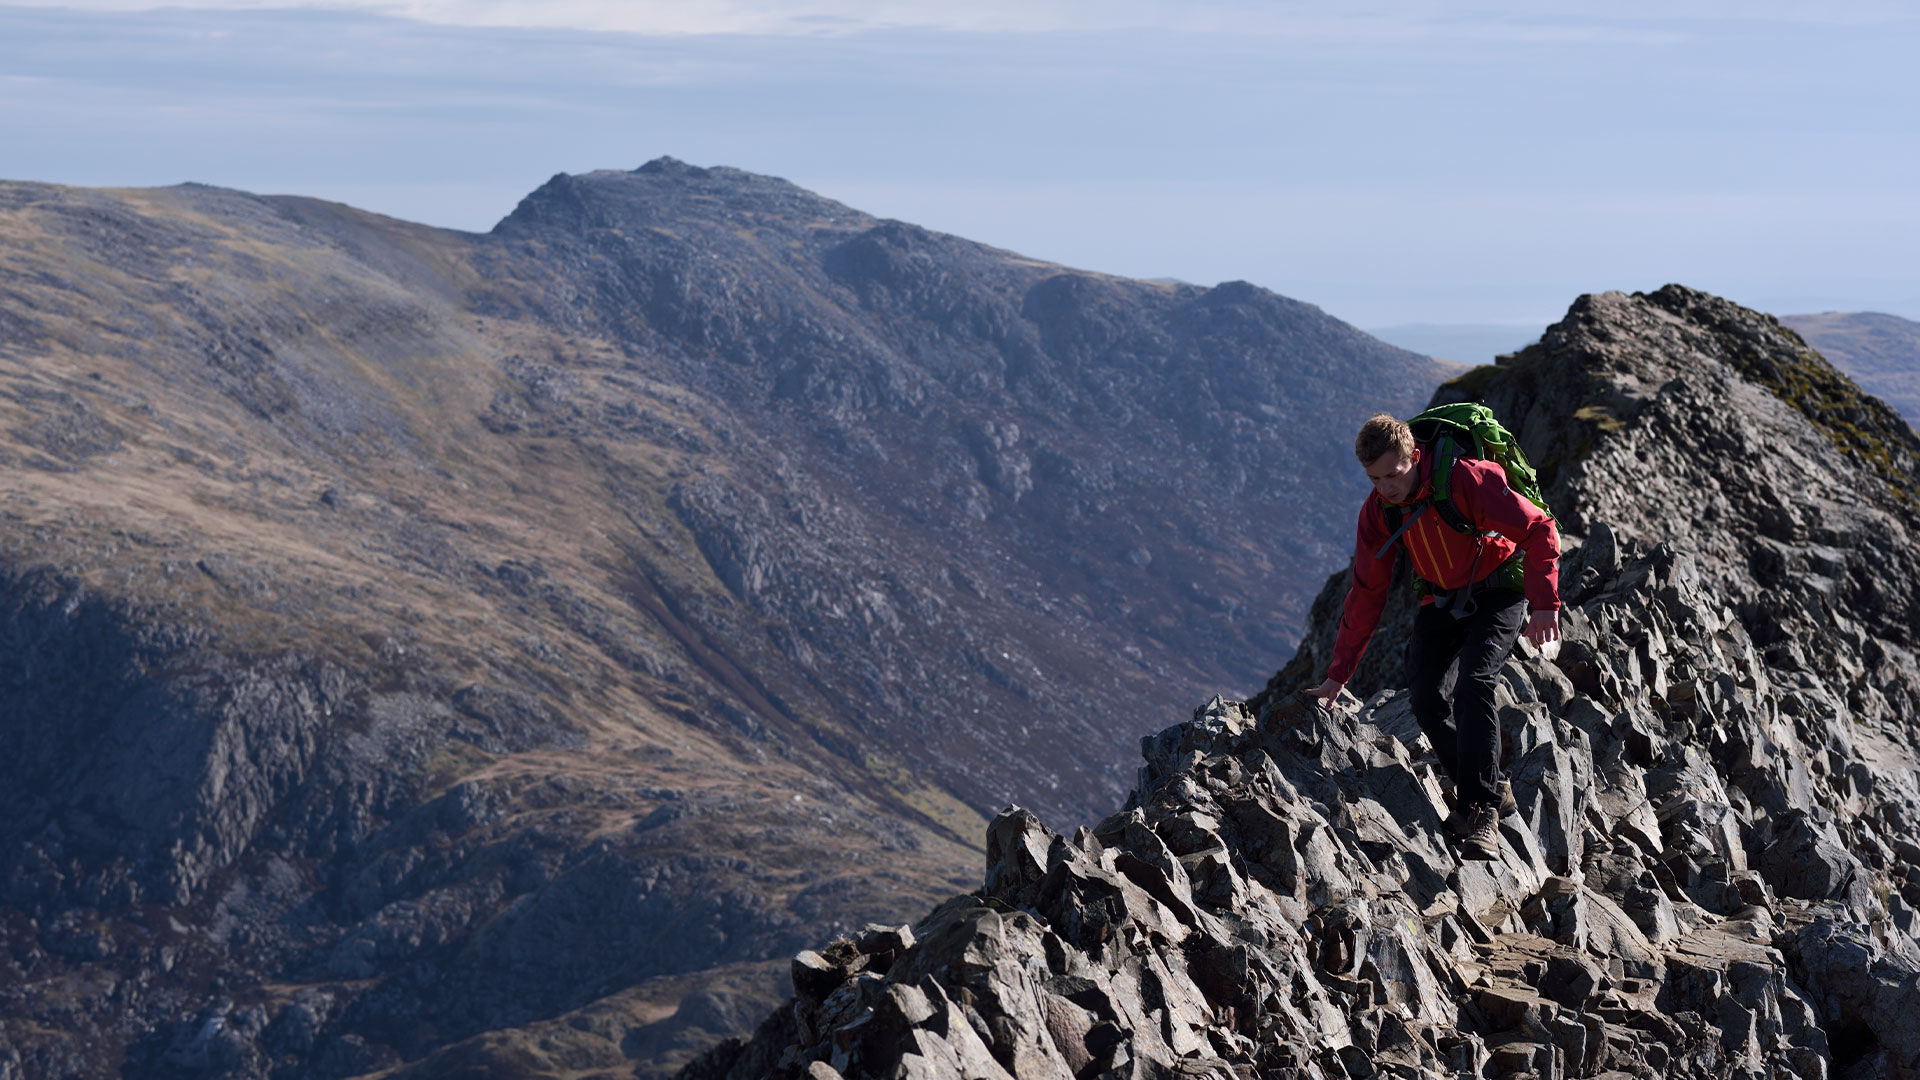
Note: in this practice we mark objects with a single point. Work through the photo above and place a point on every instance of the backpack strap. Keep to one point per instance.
(1446, 452)
(1398, 526)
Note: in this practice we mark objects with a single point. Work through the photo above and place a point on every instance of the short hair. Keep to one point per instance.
(1380, 434)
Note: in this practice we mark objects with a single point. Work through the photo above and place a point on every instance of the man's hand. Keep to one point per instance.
(1328, 692)
(1542, 627)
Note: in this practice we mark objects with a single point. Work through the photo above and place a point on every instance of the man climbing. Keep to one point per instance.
(1483, 554)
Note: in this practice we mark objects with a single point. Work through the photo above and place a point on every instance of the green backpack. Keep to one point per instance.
(1466, 429)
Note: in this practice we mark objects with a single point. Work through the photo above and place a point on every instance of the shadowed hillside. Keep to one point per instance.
(422, 647)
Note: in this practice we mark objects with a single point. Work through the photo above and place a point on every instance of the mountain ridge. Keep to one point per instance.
(383, 599)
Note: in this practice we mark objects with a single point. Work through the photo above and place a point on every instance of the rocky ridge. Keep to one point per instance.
(1714, 868)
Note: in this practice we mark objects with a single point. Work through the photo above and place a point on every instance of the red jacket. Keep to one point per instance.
(1443, 555)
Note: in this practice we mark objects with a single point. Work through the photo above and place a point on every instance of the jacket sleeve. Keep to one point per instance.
(1487, 500)
(1367, 595)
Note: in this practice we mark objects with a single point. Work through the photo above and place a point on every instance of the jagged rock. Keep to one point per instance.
(1571, 981)
(1807, 860)
(814, 976)
(1864, 992)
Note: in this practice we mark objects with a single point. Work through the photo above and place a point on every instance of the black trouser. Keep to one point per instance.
(1452, 667)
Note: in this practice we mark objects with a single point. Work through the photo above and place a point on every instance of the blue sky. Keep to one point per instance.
(1393, 163)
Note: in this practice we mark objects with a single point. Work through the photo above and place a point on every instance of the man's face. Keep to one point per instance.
(1393, 476)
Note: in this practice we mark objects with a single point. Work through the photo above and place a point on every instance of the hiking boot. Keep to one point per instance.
(1458, 819)
(1482, 841)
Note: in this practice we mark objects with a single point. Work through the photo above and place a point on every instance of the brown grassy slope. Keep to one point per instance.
(210, 416)
(353, 479)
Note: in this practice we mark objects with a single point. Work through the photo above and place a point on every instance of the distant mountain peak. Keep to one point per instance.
(668, 189)
(673, 166)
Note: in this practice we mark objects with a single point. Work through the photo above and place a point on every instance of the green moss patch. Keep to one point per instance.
(1859, 425)
(1600, 416)
(1473, 382)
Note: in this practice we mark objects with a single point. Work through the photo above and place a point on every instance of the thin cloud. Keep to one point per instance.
(1642, 22)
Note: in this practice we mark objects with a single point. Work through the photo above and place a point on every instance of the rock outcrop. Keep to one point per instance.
(1714, 868)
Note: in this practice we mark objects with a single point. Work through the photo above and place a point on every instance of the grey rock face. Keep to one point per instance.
(1716, 781)
(147, 788)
